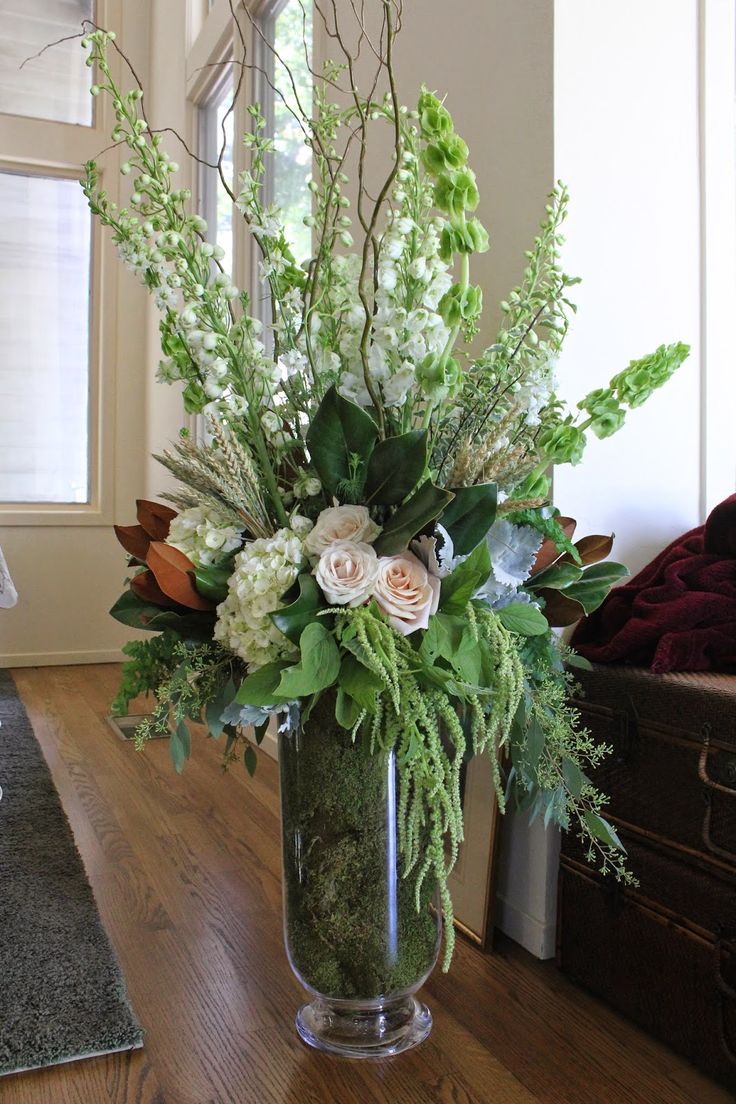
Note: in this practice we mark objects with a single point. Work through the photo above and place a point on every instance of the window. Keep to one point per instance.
(288, 28)
(54, 86)
(217, 124)
(210, 84)
(44, 321)
(52, 333)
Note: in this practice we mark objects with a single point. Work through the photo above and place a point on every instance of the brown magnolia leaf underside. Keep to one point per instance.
(134, 539)
(146, 587)
(174, 574)
(155, 518)
(591, 550)
(558, 609)
(549, 553)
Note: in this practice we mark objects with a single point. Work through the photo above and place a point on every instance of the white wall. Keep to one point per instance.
(627, 144)
(68, 575)
(643, 136)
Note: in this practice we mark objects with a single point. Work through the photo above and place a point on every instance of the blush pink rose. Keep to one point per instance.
(346, 572)
(406, 591)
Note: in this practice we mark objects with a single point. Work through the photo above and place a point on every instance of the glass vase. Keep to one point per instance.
(353, 934)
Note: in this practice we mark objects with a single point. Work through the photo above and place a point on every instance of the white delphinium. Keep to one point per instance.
(204, 536)
(409, 271)
(539, 385)
(264, 570)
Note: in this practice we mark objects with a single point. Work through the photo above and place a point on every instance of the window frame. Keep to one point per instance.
(213, 41)
(52, 149)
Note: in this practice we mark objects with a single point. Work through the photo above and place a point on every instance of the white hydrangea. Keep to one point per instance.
(204, 536)
(263, 571)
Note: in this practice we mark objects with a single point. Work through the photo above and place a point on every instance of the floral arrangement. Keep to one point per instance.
(367, 521)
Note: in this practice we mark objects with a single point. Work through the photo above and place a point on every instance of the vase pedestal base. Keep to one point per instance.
(364, 1029)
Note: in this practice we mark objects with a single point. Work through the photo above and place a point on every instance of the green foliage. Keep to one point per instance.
(550, 753)
(549, 527)
(149, 664)
(180, 746)
(460, 585)
(594, 584)
(523, 619)
(302, 611)
(318, 667)
(469, 516)
(632, 387)
(189, 625)
(192, 677)
(259, 688)
(212, 580)
(426, 504)
(395, 468)
(339, 431)
(558, 576)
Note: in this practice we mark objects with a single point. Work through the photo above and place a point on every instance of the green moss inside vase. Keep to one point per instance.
(352, 927)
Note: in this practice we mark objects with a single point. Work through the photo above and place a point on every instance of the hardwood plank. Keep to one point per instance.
(186, 872)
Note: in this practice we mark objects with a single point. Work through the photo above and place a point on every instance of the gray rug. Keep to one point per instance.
(62, 995)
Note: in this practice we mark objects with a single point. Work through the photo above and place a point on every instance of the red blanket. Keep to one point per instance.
(679, 613)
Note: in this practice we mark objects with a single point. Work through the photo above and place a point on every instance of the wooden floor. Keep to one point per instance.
(186, 875)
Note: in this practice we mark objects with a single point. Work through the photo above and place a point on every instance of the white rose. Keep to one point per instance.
(347, 572)
(406, 592)
(341, 523)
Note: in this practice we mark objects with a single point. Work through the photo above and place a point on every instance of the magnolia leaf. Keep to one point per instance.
(559, 609)
(212, 580)
(595, 584)
(591, 549)
(130, 610)
(293, 619)
(259, 687)
(318, 667)
(147, 589)
(460, 586)
(396, 466)
(557, 577)
(155, 518)
(174, 574)
(340, 430)
(549, 552)
(424, 506)
(134, 539)
(470, 515)
(523, 619)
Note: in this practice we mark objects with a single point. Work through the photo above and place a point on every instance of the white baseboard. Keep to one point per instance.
(536, 936)
(270, 744)
(61, 659)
